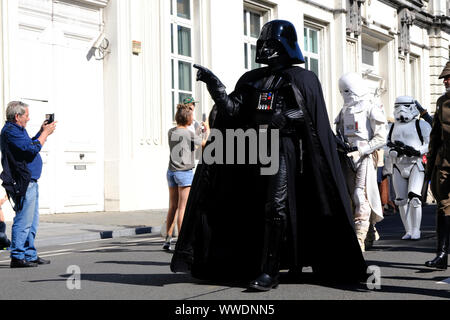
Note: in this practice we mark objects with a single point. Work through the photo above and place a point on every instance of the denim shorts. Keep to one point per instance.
(180, 178)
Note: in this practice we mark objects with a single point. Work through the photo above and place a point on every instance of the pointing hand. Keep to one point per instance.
(205, 75)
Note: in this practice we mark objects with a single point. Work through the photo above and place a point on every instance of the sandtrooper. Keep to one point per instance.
(408, 141)
(362, 124)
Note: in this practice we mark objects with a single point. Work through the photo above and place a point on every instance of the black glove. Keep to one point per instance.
(205, 75)
(279, 120)
(419, 107)
(398, 147)
(411, 152)
(341, 146)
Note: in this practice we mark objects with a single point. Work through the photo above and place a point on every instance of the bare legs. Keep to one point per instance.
(178, 197)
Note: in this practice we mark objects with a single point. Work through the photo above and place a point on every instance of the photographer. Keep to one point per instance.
(22, 168)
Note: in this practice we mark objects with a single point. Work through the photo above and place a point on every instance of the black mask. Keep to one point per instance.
(278, 44)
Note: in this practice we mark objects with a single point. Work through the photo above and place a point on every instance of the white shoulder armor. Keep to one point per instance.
(377, 113)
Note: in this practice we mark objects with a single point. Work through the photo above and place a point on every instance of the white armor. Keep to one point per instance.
(408, 171)
(363, 125)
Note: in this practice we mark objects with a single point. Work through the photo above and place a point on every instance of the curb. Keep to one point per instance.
(102, 235)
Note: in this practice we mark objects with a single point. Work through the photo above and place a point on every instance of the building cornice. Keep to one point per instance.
(322, 7)
(410, 4)
(423, 18)
(89, 3)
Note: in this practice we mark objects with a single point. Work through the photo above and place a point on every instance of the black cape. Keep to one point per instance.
(223, 228)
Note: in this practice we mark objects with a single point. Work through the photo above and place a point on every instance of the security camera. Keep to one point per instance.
(98, 47)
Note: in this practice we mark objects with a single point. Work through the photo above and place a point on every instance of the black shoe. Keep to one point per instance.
(443, 233)
(264, 283)
(17, 263)
(40, 261)
(440, 262)
(4, 241)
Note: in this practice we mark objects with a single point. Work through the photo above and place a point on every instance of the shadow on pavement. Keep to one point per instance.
(139, 263)
(416, 291)
(420, 268)
(155, 280)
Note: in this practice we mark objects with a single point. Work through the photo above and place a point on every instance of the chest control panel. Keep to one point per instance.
(266, 101)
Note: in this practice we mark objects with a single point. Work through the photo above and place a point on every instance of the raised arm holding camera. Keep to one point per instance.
(22, 168)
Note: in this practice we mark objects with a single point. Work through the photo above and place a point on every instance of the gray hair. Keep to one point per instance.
(15, 107)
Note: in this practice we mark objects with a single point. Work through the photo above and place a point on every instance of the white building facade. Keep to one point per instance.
(110, 152)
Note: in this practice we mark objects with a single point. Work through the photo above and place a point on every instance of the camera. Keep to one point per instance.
(204, 120)
(50, 118)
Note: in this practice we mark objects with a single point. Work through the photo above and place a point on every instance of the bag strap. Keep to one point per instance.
(419, 131)
(390, 133)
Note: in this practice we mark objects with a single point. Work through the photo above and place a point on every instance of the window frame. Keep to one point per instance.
(308, 25)
(415, 76)
(375, 68)
(176, 57)
(248, 40)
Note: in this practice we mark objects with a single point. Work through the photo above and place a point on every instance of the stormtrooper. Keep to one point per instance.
(408, 141)
(361, 125)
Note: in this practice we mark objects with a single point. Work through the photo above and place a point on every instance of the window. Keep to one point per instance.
(415, 84)
(312, 49)
(181, 51)
(253, 22)
(369, 57)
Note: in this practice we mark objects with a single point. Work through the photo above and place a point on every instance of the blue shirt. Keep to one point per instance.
(24, 148)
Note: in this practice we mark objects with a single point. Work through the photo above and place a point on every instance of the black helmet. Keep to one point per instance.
(278, 42)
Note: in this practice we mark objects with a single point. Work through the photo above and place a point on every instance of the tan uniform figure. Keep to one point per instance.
(438, 169)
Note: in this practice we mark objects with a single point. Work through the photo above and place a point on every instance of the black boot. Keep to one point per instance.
(443, 232)
(274, 235)
(2, 227)
(4, 241)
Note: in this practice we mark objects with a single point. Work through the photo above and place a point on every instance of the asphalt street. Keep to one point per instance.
(137, 268)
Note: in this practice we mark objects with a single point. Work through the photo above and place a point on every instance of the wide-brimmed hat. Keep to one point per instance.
(189, 100)
(446, 72)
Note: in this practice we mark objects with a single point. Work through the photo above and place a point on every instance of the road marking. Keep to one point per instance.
(54, 255)
(83, 242)
(446, 281)
(146, 240)
(55, 251)
(48, 254)
(98, 249)
(72, 250)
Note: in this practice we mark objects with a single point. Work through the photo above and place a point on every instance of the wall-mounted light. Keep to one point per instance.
(137, 47)
(99, 48)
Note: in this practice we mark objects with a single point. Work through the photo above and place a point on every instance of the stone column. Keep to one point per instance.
(439, 55)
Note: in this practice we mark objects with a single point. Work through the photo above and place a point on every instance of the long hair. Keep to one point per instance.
(183, 114)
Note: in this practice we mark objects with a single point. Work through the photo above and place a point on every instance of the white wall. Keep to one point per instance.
(136, 107)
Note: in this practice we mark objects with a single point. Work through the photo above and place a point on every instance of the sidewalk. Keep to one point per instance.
(60, 229)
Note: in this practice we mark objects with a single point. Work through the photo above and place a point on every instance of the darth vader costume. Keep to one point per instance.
(242, 225)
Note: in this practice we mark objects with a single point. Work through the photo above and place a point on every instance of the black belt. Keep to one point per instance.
(33, 180)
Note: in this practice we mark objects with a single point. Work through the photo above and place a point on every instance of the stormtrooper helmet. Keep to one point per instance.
(405, 109)
(353, 89)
